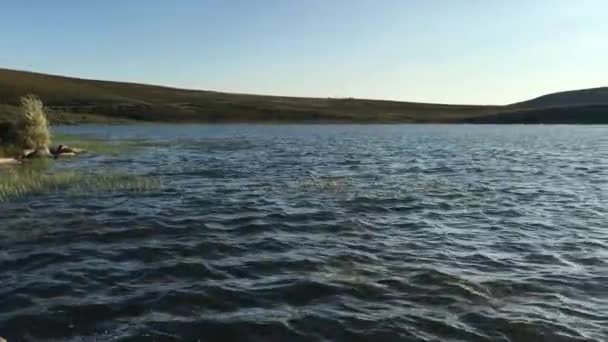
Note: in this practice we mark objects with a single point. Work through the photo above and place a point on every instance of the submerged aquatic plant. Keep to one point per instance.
(325, 184)
(24, 181)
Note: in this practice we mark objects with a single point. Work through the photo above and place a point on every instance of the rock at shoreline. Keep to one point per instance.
(67, 150)
(8, 161)
(43, 152)
(60, 151)
(65, 154)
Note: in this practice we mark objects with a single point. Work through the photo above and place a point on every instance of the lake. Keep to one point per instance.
(318, 233)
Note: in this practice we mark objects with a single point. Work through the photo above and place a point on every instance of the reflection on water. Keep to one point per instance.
(312, 232)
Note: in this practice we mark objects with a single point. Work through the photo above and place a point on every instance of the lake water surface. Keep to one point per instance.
(318, 233)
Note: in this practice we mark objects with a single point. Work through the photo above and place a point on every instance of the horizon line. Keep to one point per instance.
(182, 88)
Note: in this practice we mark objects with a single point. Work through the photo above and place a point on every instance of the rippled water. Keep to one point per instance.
(319, 233)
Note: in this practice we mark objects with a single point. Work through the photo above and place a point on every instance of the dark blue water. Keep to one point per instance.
(319, 233)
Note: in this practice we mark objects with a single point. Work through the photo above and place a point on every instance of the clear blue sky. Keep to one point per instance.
(454, 51)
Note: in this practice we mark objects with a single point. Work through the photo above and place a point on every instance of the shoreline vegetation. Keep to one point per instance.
(78, 101)
(39, 178)
(26, 159)
(28, 135)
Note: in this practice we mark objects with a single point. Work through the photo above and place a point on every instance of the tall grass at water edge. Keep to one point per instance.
(20, 182)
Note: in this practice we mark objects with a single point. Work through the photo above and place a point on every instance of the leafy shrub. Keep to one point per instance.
(32, 125)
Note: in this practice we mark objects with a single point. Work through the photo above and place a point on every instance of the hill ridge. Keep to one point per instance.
(75, 99)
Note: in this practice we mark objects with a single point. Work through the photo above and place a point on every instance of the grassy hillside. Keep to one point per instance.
(74, 100)
(573, 98)
(78, 97)
(585, 106)
(597, 114)
(10, 112)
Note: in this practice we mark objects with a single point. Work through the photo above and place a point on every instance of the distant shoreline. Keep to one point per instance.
(312, 123)
(78, 101)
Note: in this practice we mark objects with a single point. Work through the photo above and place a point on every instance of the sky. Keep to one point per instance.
(446, 51)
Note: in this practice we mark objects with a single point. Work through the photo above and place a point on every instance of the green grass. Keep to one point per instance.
(38, 177)
(27, 180)
(30, 129)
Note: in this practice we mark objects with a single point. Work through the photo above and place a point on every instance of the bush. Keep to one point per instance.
(32, 125)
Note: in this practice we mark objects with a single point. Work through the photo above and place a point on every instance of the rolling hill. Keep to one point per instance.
(585, 106)
(584, 97)
(75, 100)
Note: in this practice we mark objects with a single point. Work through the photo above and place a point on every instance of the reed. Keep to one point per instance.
(33, 179)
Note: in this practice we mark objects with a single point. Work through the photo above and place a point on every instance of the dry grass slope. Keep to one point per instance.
(154, 103)
(74, 100)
